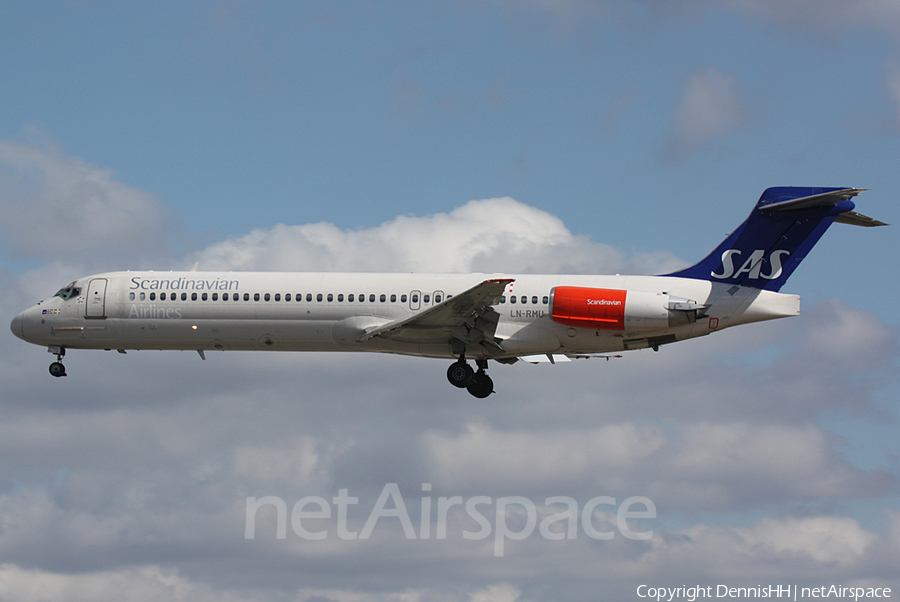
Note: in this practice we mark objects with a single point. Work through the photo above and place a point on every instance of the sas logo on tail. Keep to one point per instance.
(752, 266)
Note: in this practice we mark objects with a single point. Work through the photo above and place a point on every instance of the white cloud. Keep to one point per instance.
(685, 466)
(496, 593)
(710, 108)
(828, 15)
(266, 464)
(490, 235)
(892, 82)
(800, 549)
(482, 457)
(825, 539)
(127, 479)
(813, 16)
(58, 206)
(853, 338)
(146, 583)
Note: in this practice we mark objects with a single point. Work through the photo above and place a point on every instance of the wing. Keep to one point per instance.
(467, 317)
(553, 358)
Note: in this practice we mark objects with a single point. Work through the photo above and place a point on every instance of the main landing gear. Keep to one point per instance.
(479, 384)
(57, 368)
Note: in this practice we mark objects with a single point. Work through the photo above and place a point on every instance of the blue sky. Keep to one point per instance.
(546, 135)
(412, 108)
(241, 115)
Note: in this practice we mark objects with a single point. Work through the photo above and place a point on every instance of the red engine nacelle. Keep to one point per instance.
(609, 309)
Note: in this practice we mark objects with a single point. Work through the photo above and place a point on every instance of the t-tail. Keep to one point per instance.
(785, 224)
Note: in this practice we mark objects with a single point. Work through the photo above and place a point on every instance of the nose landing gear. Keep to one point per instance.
(56, 368)
(478, 384)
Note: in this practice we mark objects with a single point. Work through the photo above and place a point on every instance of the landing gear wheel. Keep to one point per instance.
(57, 369)
(481, 385)
(460, 374)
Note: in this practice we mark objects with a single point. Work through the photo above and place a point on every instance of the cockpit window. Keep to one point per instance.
(68, 292)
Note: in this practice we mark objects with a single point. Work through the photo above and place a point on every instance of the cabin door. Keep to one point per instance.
(95, 306)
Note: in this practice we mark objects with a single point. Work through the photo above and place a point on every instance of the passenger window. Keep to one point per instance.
(362, 298)
(340, 297)
(330, 297)
(131, 296)
(403, 298)
(534, 299)
(153, 296)
(193, 296)
(256, 296)
(512, 298)
(215, 296)
(350, 298)
(415, 298)
(278, 296)
(162, 296)
(383, 298)
(184, 296)
(267, 297)
(371, 298)
(545, 300)
(204, 297)
(393, 298)
(502, 298)
(246, 296)
(309, 297)
(437, 298)
(426, 298)
(143, 296)
(224, 296)
(524, 299)
(287, 297)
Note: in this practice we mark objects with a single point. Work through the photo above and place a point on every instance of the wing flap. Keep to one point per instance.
(554, 358)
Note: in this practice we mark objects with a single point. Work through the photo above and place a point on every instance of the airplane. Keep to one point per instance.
(500, 317)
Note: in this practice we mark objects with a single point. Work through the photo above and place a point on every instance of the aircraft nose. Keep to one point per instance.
(18, 326)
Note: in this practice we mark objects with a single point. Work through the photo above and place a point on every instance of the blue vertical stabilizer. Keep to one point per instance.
(785, 224)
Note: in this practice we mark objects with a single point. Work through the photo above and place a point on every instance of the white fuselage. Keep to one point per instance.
(331, 311)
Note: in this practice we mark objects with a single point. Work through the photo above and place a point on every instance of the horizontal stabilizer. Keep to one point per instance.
(771, 202)
(858, 219)
(825, 199)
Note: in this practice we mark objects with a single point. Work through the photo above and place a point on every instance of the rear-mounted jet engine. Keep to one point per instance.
(613, 309)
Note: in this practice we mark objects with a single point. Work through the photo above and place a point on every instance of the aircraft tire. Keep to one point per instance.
(460, 374)
(57, 369)
(481, 385)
